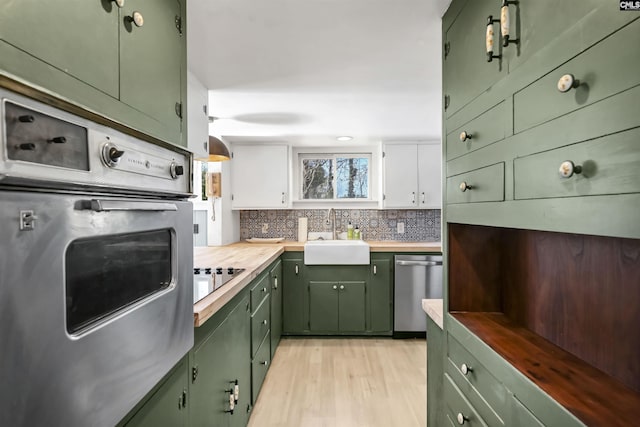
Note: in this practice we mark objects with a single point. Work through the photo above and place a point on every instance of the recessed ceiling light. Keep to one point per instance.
(344, 138)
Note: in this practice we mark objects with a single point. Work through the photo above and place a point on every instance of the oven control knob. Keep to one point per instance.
(111, 155)
(230, 270)
(219, 270)
(176, 170)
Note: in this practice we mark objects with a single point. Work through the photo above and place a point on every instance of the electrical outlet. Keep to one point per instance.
(400, 227)
(265, 228)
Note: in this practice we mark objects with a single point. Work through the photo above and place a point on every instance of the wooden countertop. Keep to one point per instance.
(434, 309)
(255, 257)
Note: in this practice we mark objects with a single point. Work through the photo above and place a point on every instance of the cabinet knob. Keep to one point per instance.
(461, 418)
(137, 18)
(264, 322)
(465, 135)
(465, 368)
(464, 186)
(265, 363)
(341, 286)
(567, 82)
(119, 3)
(264, 289)
(335, 287)
(568, 168)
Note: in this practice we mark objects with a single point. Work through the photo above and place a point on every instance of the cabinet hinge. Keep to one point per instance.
(447, 101)
(384, 197)
(194, 373)
(447, 49)
(232, 154)
(179, 24)
(232, 197)
(179, 109)
(384, 154)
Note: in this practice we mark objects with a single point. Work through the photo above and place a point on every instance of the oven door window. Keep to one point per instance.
(106, 274)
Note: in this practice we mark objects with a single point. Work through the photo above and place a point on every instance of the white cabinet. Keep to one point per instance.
(412, 177)
(260, 177)
(197, 118)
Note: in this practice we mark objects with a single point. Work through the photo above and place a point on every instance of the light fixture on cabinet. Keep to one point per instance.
(218, 152)
(344, 138)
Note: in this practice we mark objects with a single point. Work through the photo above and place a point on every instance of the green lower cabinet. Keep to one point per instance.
(337, 306)
(435, 374)
(217, 363)
(294, 289)
(168, 404)
(275, 273)
(380, 290)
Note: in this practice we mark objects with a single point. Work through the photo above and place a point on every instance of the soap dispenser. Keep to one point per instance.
(356, 233)
(349, 231)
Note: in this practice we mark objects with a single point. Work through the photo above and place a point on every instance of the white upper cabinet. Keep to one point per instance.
(197, 118)
(412, 177)
(260, 177)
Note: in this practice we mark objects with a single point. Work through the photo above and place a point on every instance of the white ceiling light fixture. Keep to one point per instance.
(344, 138)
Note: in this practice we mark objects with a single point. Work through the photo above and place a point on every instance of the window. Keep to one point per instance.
(335, 176)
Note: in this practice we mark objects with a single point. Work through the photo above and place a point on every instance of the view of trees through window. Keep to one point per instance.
(335, 177)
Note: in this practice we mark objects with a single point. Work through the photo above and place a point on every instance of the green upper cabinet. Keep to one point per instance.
(467, 71)
(78, 37)
(151, 59)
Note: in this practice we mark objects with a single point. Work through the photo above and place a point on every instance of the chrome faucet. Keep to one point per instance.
(331, 218)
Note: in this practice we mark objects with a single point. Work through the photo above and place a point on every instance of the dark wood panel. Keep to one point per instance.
(475, 268)
(591, 395)
(580, 292)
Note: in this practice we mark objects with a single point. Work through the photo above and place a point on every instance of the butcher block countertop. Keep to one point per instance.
(255, 257)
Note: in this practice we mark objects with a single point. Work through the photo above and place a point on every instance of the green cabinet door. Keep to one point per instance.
(276, 305)
(77, 37)
(294, 288)
(381, 294)
(150, 77)
(323, 306)
(168, 405)
(351, 306)
(435, 374)
(220, 360)
(467, 71)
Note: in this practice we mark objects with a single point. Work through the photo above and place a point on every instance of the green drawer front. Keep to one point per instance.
(487, 185)
(488, 396)
(610, 165)
(521, 417)
(259, 292)
(259, 367)
(485, 129)
(457, 406)
(260, 325)
(607, 68)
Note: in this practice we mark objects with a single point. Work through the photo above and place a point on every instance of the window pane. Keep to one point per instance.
(352, 175)
(316, 179)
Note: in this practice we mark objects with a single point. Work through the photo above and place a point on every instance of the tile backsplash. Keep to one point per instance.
(420, 225)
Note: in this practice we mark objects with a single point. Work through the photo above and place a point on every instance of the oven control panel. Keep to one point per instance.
(48, 147)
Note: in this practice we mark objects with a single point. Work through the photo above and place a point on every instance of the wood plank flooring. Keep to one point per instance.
(329, 382)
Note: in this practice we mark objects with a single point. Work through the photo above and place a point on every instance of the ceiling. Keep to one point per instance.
(305, 72)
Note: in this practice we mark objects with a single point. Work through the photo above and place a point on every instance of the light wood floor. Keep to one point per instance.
(344, 383)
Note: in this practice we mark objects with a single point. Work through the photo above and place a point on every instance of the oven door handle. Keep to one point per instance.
(122, 205)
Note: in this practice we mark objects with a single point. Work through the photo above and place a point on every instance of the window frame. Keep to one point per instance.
(334, 156)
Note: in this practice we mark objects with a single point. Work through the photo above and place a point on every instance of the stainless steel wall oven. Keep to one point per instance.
(96, 289)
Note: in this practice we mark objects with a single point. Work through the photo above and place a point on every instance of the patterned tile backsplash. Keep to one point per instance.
(420, 225)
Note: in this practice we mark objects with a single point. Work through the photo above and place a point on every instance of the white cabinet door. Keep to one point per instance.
(429, 176)
(400, 176)
(197, 118)
(260, 177)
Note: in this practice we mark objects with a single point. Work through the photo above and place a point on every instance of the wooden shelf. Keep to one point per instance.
(592, 396)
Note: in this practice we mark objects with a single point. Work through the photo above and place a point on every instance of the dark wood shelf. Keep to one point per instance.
(592, 396)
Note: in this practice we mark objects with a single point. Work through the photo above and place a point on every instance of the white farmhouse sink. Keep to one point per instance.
(336, 252)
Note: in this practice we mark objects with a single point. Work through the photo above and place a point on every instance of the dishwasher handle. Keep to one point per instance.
(419, 263)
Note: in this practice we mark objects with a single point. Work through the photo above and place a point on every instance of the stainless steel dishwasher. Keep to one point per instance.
(416, 277)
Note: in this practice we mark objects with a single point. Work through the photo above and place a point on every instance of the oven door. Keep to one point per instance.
(95, 304)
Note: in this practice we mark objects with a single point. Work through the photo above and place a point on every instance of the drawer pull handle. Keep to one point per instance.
(424, 199)
(465, 368)
(275, 282)
(413, 197)
(461, 418)
(264, 322)
(265, 363)
(464, 186)
(465, 135)
(297, 270)
(567, 82)
(236, 391)
(505, 23)
(568, 169)
(489, 39)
